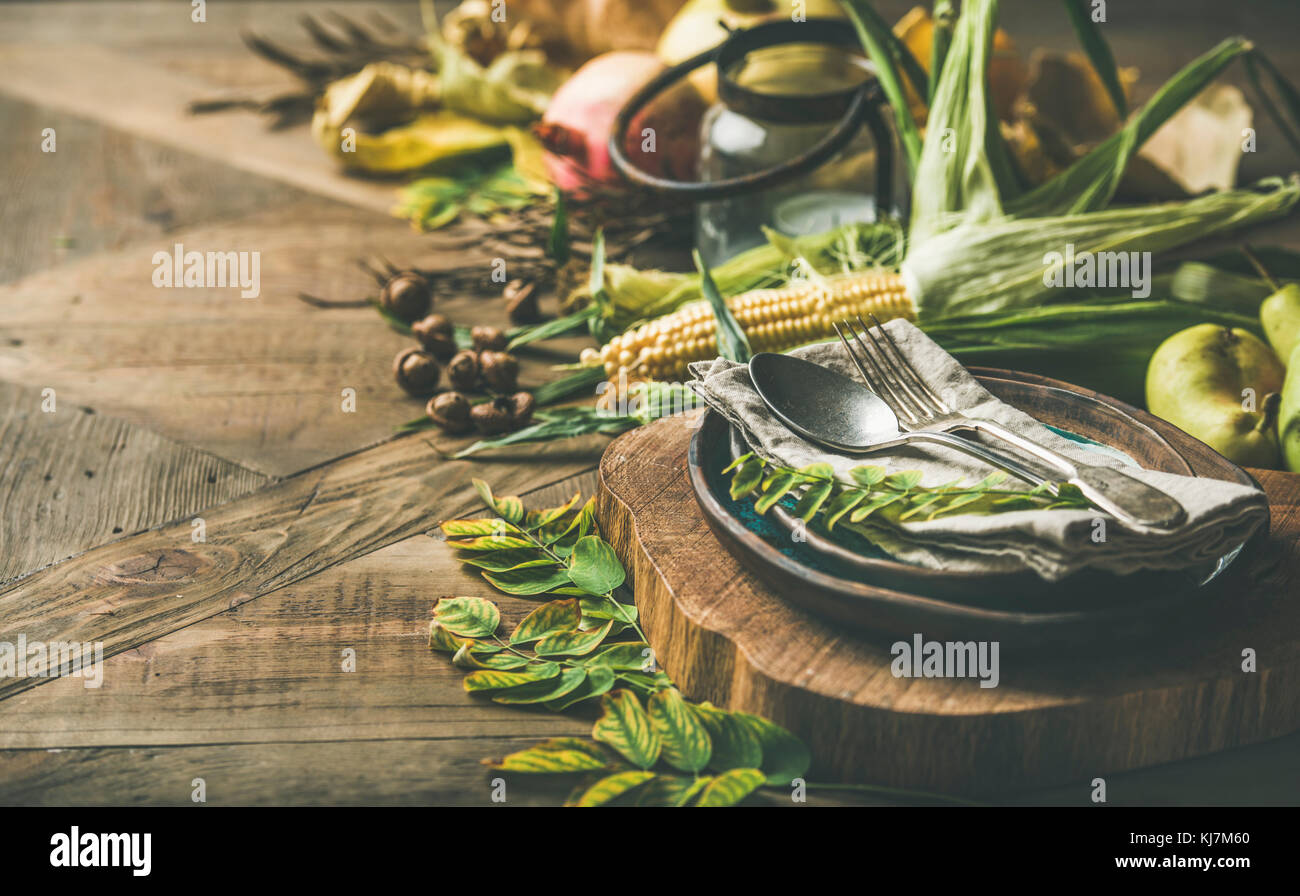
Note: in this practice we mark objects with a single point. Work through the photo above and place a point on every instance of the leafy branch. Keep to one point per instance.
(893, 498)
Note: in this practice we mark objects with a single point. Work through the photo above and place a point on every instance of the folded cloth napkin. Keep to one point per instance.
(1053, 543)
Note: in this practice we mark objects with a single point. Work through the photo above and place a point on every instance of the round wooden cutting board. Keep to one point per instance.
(1053, 718)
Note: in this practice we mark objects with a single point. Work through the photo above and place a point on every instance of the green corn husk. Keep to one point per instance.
(1102, 344)
(999, 265)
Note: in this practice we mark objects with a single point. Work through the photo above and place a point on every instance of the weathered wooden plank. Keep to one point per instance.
(135, 590)
(71, 479)
(259, 381)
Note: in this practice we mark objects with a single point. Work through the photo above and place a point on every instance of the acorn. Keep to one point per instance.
(407, 296)
(489, 339)
(436, 335)
(494, 417)
(500, 371)
(463, 370)
(417, 372)
(451, 411)
(521, 302)
(521, 408)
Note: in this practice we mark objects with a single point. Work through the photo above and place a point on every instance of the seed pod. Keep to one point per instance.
(407, 296)
(500, 371)
(451, 411)
(489, 339)
(521, 406)
(463, 371)
(492, 418)
(417, 372)
(521, 302)
(436, 335)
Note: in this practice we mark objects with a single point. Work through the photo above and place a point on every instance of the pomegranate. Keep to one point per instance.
(663, 139)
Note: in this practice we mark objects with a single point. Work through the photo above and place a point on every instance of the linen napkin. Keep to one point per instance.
(1053, 543)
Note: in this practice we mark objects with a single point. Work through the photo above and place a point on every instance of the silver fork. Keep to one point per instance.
(920, 408)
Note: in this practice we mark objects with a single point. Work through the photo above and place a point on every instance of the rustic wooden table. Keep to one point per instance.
(174, 406)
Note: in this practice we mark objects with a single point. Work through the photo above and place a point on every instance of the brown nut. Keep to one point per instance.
(436, 335)
(494, 417)
(500, 371)
(489, 339)
(417, 372)
(451, 411)
(407, 296)
(463, 371)
(521, 302)
(521, 408)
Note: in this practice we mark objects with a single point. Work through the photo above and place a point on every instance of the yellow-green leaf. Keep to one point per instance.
(492, 543)
(734, 744)
(536, 519)
(541, 691)
(493, 680)
(686, 744)
(785, 757)
(468, 528)
(537, 580)
(731, 787)
(599, 680)
(628, 657)
(572, 643)
(559, 755)
(550, 617)
(466, 658)
(443, 640)
(625, 726)
(511, 508)
(670, 790)
(470, 617)
(614, 786)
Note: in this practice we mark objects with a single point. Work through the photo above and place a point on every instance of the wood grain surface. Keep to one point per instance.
(1053, 718)
(226, 654)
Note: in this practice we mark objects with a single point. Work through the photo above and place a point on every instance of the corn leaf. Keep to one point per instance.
(732, 343)
(879, 41)
(1097, 51)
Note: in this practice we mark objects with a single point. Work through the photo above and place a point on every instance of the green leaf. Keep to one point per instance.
(504, 561)
(536, 519)
(463, 528)
(843, 503)
(553, 616)
(541, 691)
(492, 543)
(1098, 52)
(627, 657)
(904, 481)
(572, 643)
(784, 756)
(558, 326)
(527, 581)
(594, 566)
(863, 511)
(775, 489)
(465, 658)
(737, 462)
(735, 745)
(812, 500)
(625, 726)
(557, 756)
(868, 476)
(471, 617)
(511, 509)
(732, 343)
(445, 641)
(615, 785)
(599, 680)
(731, 787)
(670, 790)
(607, 608)
(878, 39)
(686, 744)
(492, 680)
(747, 478)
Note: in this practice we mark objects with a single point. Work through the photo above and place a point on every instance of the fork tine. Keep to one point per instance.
(916, 378)
(906, 382)
(916, 409)
(879, 383)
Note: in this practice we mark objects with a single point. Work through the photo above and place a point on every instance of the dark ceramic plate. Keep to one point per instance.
(873, 591)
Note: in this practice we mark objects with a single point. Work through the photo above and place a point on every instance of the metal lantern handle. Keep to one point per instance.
(863, 108)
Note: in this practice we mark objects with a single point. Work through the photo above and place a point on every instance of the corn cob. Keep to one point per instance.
(774, 320)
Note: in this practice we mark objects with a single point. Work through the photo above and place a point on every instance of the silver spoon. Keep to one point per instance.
(840, 413)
